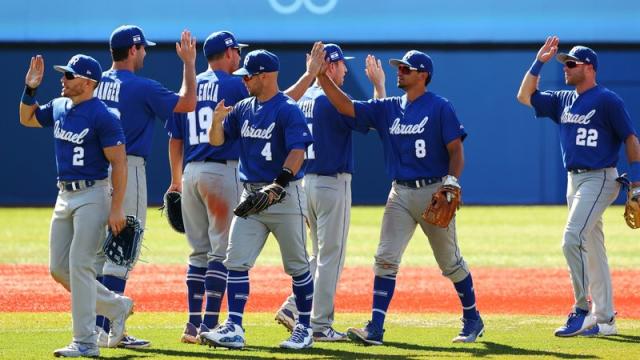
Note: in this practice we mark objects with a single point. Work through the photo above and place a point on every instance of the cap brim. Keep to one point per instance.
(562, 57)
(348, 57)
(241, 72)
(240, 46)
(149, 43)
(63, 68)
(398, 62)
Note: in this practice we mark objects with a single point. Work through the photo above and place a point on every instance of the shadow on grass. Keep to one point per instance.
(620, 338)
(488, 349)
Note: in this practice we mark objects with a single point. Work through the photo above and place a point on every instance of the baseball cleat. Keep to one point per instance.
(103, 337)
(227, 335)
(329, 335)
(370, 335)
(190, 334)
(116, 333)
(130, 342)
(471, 330)
(577, 323)
(301, 338)
(76, 349)
(286, 318)
(602, 329)
(203, 329)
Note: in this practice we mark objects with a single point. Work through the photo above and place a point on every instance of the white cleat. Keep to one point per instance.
(301, 338)
(117, 330)
(227, 335)
(76, 349)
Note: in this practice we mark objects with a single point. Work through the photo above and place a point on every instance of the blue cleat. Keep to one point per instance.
(471, 330)
(577, 323)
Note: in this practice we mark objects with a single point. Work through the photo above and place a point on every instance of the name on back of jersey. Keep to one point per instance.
(208, 91)
(70, 136)
(249, 131)
(569, 118)
(408, 129)
(108, 91)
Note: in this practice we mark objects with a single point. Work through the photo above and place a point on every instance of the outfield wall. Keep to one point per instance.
(511, 157)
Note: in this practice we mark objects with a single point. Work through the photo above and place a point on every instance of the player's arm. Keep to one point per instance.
(294, 160)
(529, 84)
(28, 103)
(314, 62)
(216, 132)
(376, 76)
(336, 96)
(456, 157)
(117, 157)
(632, 147)
(176, 156)
(186, 50)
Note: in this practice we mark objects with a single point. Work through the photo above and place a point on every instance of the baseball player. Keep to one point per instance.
(327, 184)
(272, 136)
(88, 138)
(422, 142)
(210, 186)
(593, 125)
(138, 102)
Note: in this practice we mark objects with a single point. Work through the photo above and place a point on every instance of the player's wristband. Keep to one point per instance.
(284, 178)
(634, 171)
(29, 95)
(536, 67)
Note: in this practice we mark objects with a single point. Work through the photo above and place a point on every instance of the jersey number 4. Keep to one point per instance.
(586, 137)
(199, 132)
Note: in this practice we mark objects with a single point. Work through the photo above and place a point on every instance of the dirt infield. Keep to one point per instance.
(29, 288)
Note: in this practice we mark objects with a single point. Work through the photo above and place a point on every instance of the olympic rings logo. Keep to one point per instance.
(297, 4)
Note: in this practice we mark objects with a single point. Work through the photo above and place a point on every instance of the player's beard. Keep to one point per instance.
(575, 78)
(71, 89)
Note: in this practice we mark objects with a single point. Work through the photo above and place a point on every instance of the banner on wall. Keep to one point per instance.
(386, 21)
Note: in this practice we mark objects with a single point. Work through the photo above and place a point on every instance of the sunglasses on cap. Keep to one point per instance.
(71, 76)
(572, 64)
(249, 77)
(406, 70)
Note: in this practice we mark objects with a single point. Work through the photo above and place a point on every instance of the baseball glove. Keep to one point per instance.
(260, 200)
(172, 209)
(442, 208)
(632, 206)
(124, 249)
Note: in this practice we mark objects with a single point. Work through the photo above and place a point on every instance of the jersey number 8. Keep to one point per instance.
(421, 148)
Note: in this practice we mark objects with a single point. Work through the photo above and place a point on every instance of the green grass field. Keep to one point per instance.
(489, 237)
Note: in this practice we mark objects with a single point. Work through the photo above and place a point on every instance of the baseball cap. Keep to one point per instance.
(259, 61)
(220, 41)
(581, 54)
(83, 66)
(128, 35)
(415, 60)
(333, 53)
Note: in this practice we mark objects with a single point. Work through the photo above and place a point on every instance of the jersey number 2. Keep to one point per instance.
(587, 137)
(78, 156)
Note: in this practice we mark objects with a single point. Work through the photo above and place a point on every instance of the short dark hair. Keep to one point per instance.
(428, 79)
(216, 56)
(119, 54)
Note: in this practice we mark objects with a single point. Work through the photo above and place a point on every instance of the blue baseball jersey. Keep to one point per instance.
(193, 127)
(267, 132)
(332, 151)
(81, 132)
(414, 134)
(137, 101)
(593, 125)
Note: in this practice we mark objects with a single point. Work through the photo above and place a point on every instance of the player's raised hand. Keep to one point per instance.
(316, 58)
(220, 112)
(549, 49)
(374, 71)
(35, 72)
(186, 48)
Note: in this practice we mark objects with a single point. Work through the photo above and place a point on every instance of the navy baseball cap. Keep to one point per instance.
(220, 41)
(82, 66)
(258, 61)
(333, 53)
(580, 53)
(415, 60)
(128, 35)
